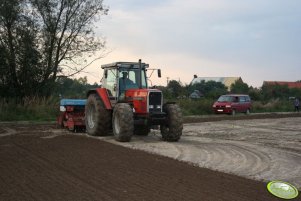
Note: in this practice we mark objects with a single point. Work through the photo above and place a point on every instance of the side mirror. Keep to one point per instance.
(106, 74)
(159, 72)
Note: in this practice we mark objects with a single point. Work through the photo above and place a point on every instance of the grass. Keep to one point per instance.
(196, 107)
(47, 109)
(30, 109)
(273, 106)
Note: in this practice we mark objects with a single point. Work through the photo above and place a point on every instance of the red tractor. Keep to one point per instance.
(127, 106)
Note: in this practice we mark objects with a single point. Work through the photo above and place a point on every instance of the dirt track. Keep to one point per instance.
(44, 163)
(262, 149)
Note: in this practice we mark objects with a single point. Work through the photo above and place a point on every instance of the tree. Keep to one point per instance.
(19, 58)
(239, 87)
(72, 88)
(271, 91)
(175, 88)
(67, 33)
(255, 94)
(211, 89)
(41, 39)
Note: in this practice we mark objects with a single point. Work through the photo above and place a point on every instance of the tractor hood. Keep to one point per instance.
(139, 94)
(145, 100)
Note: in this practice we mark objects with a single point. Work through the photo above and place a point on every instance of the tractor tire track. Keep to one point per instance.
(6, 131)
(260, 149)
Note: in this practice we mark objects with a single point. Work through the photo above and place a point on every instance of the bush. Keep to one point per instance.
(203, 106)
(196, 107)
(37, 109)
(273, 106)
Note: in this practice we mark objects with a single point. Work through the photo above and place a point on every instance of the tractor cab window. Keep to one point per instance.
(110, 82)
(129, 79)
(143, 80)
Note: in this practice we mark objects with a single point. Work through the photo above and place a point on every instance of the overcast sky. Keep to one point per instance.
(255, 39)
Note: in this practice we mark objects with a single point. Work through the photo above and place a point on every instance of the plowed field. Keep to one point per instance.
(41, 162)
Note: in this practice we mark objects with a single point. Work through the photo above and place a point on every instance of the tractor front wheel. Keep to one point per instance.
(172, 129)
(123, 122)
(97, 117)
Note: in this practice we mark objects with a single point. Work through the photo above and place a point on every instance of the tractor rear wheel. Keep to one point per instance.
(97, 117)
(172, 130)
(141, 130)
(123, 122)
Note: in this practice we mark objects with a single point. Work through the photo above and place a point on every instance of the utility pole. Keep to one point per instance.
(167, 78)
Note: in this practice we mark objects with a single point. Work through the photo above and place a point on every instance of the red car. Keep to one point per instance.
(232, 104)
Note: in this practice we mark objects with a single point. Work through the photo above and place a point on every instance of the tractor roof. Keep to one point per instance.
(125, 65)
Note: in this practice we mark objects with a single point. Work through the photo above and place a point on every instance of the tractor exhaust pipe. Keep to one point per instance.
(139, 75)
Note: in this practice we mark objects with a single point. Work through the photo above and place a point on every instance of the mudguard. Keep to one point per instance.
(104, 96)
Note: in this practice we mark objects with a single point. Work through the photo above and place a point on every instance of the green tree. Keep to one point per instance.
(239, 87)
(41, 39)
(73, 88)
(67, 34)
(175, 88)
(276, 91)
(295, 92)
(19, 57)
(210, 89)
(255, 94)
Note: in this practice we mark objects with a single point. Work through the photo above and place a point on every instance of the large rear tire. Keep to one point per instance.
(123, 122)
(97, 117)
(171, 131)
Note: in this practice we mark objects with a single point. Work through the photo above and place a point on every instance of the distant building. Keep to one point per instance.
(283, 83)
(227, 81)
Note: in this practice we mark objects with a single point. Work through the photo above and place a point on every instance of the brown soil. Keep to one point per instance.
(40, 162)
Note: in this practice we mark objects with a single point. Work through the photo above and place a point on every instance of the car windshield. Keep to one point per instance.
(225, 99)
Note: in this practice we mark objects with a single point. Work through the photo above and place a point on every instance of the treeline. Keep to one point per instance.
(73, 88)
(39, 108)
(268, 98)
(212, 90)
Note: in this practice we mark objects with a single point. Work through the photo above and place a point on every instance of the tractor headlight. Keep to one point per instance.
(151, 106)
(158, 106)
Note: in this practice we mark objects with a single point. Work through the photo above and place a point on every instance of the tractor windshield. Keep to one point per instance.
(129, 79)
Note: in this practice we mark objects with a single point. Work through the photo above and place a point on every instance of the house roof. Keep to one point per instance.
(289, 84)
(227, 81)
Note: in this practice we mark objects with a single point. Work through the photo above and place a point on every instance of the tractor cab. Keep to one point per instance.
(121, 76)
